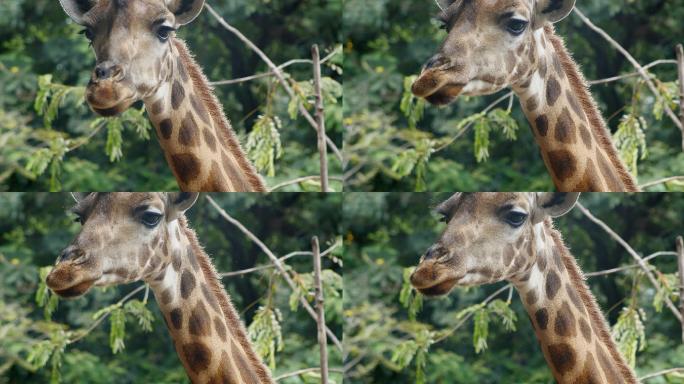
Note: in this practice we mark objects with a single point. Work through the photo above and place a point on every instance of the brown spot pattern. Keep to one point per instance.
(188, 134)
(220, 328)
(542, 317)
(565, 128)
(187, 284)
(562, 357)
(589, 374)
(166, 128)
(199, 108)
(542, 124)
(199, 323)
(574, 297)
(565, 321)
(248, 375)
(181, 70)
(176, 317)
(166, 297)
(552, 284)
(614, 184)
(211, 299)
(197, 356)
(186, 166)
(562, 163)
(552, 91)
(177, 95)
(531, 297)
(210, 139)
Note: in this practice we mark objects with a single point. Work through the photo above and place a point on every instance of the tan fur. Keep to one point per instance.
(578, 281)
(237, 328)
(207, 96)
(581, 90)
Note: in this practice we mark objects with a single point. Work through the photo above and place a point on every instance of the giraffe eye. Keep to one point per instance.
(88, 33)
(515, 219)
(516, 26)
(151, 219)
(164, 31)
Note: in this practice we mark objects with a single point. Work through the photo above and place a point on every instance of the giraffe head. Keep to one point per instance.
(124, 237)
(489, 237)
(490, 45)
(132, 44)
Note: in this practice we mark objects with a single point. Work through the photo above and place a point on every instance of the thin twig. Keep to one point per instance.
(631, 74)
(661, 373)
(680, 269)
(634, 63)
(276, 72)
(470, 314)
(634, 255)
(661, 181)
(301, 180)
(680, 77)
(277, 264)
(303, 371)
(627, 267)
(101, 319)
(483, 112)
(282, 259)
(320, 118)
(320, 309)
(271, 73)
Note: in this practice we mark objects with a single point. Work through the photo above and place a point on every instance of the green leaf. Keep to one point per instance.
(117, 322)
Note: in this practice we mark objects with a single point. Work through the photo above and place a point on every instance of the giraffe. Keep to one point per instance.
(492, 237)
(127, 237)
(140, 58)
(496, 44)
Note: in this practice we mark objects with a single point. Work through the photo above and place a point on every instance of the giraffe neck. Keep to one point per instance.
(576, 146)
(207, 333)
(569, 325)
(198, 142)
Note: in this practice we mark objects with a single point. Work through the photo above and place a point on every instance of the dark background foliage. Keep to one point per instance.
(386, 41)
(387, 232)
(37, 38)
(34, 227)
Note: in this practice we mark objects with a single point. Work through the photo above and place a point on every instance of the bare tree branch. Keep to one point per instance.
(320, 310)
(634, 255)
(277, 264)
(680, 271)
(303, 371)
(276, 72)
(661, 181)
(680, 76)
(320, 118)
(661, 373)
(301, 180)
(636, 65)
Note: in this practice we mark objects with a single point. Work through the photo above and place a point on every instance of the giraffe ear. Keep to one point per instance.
(179, 202)
(185, 10)
(77, 8)
(78, 196)
(553, 204)
(551, 11)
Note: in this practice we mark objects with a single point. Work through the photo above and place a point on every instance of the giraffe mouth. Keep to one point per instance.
(109, 98)
(433, 86)
(440, 289)
(76, 290)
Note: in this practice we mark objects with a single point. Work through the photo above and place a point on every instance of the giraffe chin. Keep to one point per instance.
(76, 290)
(108, 98)
(439, 289)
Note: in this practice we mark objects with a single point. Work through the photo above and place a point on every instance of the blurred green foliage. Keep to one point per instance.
(50, 140)
(101, 338)
(394, 336)
(397, 143)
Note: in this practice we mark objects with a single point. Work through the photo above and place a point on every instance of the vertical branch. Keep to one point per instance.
(680, 259)
(320, 118)
(320, 311)
(680, 72)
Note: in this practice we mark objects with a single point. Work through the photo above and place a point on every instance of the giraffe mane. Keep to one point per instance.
(229, 312)
(581, 89)
(578, 280)
(226, 134)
